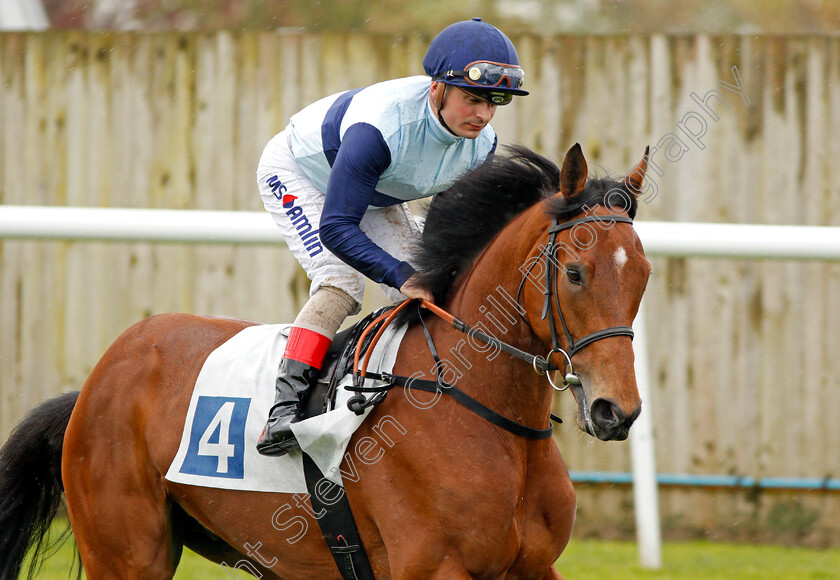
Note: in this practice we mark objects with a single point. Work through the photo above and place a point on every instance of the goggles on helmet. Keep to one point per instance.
(490, 74)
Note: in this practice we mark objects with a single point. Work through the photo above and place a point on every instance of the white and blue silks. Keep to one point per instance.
(374, 147)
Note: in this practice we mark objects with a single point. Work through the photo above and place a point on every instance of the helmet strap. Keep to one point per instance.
(439, 107)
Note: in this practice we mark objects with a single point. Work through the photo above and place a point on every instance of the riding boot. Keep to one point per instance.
(293, 380)
(299, 370)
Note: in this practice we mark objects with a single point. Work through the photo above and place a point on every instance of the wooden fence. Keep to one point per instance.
(745, 354)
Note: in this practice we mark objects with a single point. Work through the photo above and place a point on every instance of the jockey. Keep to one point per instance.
(336, 180)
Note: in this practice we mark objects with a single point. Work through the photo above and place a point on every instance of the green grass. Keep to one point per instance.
(192, 567)
(596, 560)
(593, 559)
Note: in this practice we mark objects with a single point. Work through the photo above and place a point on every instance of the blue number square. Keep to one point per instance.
(217, 438)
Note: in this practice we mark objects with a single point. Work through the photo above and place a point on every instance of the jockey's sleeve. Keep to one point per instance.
(361, 159)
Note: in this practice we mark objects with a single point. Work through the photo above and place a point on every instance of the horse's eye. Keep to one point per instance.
(574, 275)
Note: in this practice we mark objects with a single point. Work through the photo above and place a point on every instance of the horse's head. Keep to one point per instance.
(569, 244)
(589, 285)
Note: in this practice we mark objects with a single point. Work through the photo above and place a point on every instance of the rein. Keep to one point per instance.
(358, 403)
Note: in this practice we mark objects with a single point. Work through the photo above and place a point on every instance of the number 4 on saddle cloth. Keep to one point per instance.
(231, 398)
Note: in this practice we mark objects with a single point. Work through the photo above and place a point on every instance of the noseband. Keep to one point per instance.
(552, 304)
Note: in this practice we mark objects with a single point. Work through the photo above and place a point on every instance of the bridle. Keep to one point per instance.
(541, 365)
(552, 303)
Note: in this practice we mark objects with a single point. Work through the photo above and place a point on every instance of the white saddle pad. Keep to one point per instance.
(229, 407)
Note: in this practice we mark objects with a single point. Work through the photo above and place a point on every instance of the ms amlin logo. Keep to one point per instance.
(308, 236)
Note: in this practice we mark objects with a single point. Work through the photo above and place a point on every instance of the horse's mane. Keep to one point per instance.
(462, 220)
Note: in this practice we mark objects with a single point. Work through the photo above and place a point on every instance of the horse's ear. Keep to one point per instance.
(574, 172)
(634, 179)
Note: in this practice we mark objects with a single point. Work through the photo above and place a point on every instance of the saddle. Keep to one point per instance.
(338, 363)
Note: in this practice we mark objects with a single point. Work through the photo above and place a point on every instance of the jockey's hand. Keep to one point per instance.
(412, 289)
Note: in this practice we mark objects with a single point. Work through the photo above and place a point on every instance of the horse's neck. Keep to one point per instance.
(489, 292)
(486, 299)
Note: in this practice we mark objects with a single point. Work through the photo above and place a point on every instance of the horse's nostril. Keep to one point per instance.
(606, 414)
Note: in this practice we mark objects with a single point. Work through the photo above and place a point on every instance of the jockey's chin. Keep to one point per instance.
(469, 130)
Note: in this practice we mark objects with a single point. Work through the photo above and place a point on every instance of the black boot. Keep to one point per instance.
(293, 380)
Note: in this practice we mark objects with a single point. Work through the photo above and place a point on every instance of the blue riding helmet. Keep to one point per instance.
(477, 57)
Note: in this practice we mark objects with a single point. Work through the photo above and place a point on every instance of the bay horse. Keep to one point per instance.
(536, 255)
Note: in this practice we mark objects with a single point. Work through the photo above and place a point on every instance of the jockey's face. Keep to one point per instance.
(464, 113)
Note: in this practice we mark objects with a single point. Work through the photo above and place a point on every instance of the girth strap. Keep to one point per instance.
(337, 525)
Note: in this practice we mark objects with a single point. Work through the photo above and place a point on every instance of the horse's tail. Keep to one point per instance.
(30, 484)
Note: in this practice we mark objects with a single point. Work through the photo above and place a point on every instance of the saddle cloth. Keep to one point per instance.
(229, 406)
